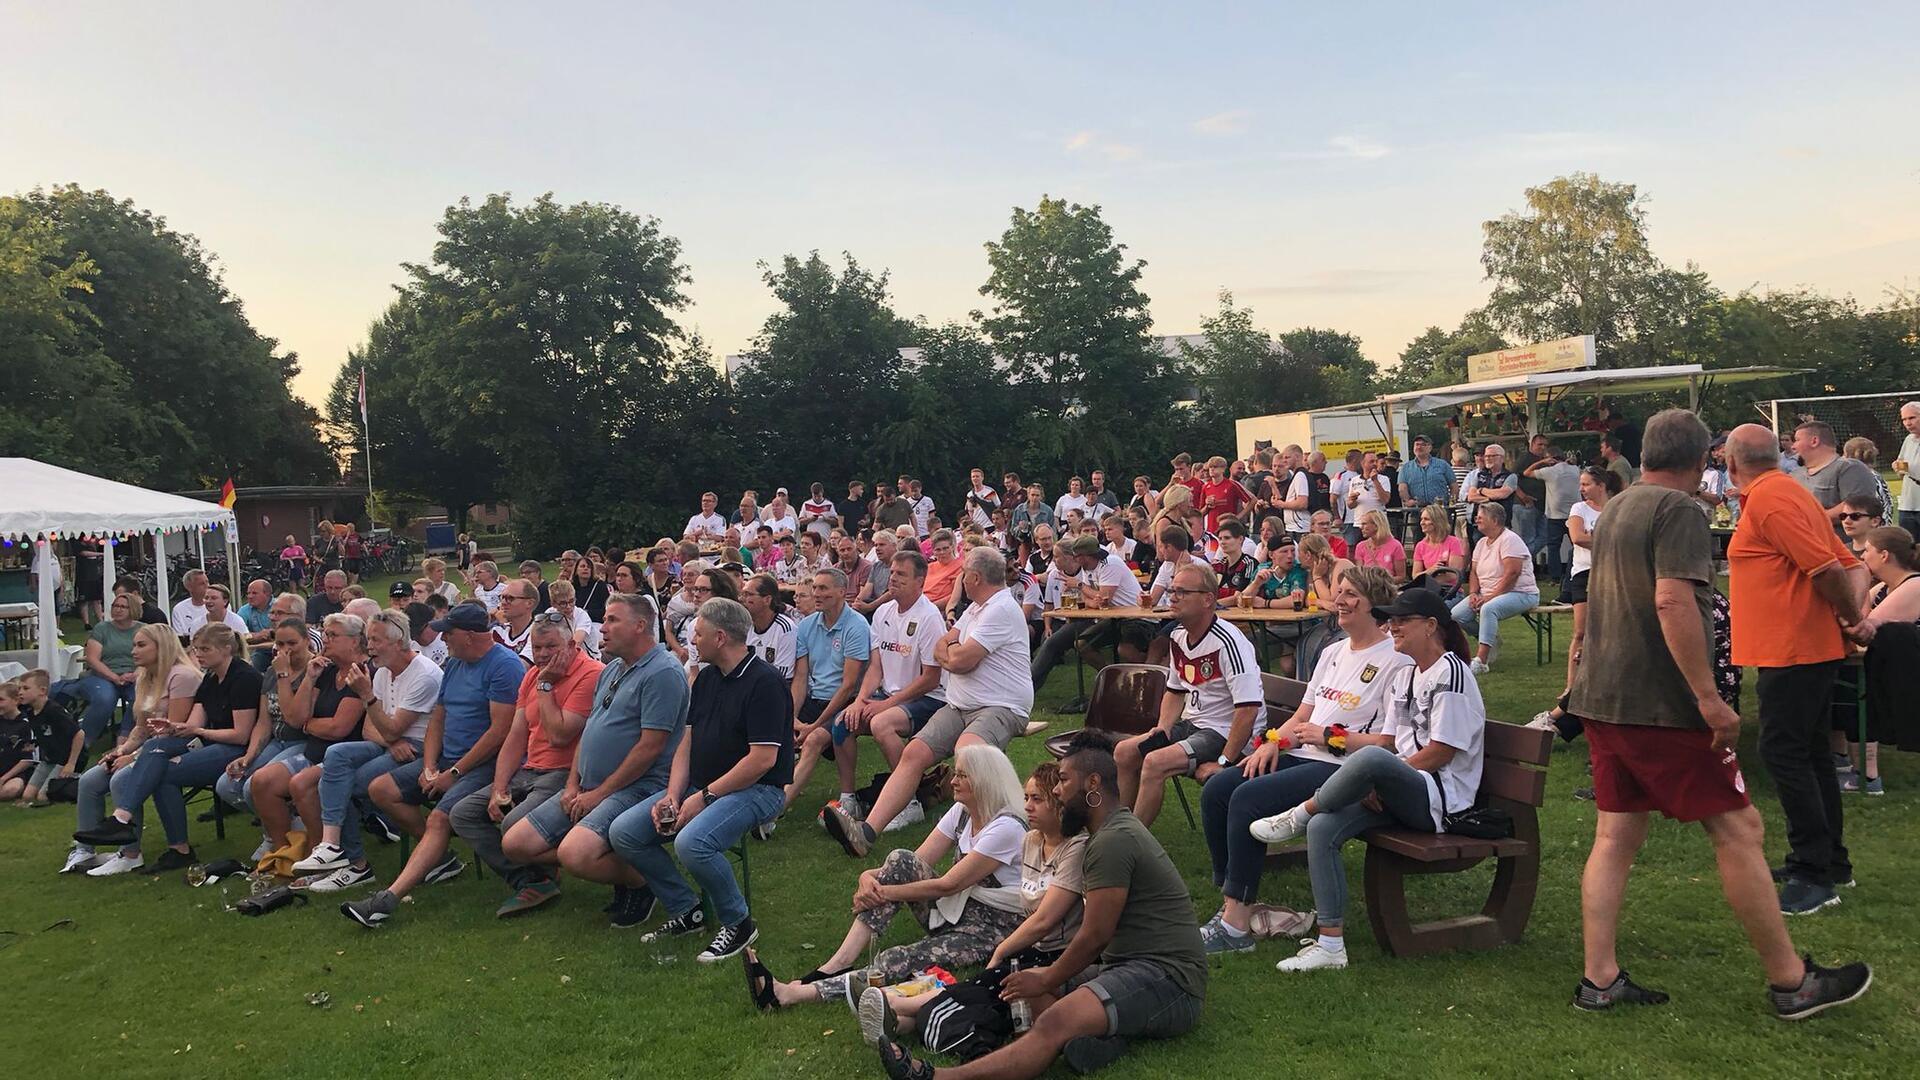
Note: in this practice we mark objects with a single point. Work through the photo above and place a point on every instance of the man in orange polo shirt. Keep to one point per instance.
(555, 699)
(1795, 588)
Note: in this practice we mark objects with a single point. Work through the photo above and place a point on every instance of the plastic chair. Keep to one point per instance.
(1126, 702)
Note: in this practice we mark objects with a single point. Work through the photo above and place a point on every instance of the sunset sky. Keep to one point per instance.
(1331, 168)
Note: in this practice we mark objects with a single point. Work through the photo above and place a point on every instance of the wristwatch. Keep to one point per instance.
(453, 771)
(544, 687)
(706, 797)
(1223, 761)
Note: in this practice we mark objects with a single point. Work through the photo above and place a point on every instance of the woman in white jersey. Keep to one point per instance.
(1424, 764)
(1347, 689)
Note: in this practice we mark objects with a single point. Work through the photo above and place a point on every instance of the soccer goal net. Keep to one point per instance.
(1869, 416)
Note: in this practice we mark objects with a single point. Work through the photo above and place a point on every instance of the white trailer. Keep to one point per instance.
(1332, 431)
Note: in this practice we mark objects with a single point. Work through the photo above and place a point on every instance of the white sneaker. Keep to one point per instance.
(118, 864)
(344, 878)
(81, 858)
(1479, 666)
(1312, 957)
(1281, 828)
(1542, 721)
(911, 814)
(323, 858)
(849, 806)
(262, 851)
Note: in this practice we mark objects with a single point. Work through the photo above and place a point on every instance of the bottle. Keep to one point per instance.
(1021, 1010)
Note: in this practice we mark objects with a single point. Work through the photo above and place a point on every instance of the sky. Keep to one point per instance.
(1330, 168)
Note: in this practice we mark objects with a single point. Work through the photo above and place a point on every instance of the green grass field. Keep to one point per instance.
(153, 978)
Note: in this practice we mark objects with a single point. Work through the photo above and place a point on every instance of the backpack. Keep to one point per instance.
(968, 1020)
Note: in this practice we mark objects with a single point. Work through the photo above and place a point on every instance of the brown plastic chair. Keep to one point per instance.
(1126, 701)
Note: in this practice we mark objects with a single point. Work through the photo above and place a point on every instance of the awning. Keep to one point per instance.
(1643, 380)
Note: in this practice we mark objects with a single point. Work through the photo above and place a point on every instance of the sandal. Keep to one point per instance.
(816, 975)
(901, 1065)
(759, 982)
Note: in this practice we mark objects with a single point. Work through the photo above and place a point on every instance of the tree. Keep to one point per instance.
(957, 412)
(1439, 358)
(831, 353)
(1344, 373)
(164, 346)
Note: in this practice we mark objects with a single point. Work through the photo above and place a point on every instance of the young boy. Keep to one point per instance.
(62, 745)
(16, 743)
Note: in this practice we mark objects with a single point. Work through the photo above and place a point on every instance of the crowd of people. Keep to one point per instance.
(635, 719)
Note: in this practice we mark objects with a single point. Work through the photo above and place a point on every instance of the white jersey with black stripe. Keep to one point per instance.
(1218, 672)
(775, 644)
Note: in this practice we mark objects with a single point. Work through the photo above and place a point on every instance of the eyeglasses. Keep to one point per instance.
(1854, 516)
(698, 589)
(552, 617)
(1190, 592)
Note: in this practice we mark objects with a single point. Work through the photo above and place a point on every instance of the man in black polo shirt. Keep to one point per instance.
(729, 774)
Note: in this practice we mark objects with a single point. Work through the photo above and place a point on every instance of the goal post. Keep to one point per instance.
(1870, 416)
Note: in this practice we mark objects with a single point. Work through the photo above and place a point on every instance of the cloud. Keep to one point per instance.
(1358, 146)
(1084, 141)
(1798, 153)
(1119, 151)
(1232, 122)
(1080, 140)
(1346, 281)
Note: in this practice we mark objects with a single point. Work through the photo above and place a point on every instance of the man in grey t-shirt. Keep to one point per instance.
(1832, 479)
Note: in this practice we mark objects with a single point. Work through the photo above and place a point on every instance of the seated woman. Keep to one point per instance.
(1049, 893)
(185, 753)
(1438, 546)
(967, 911)
(1500, 585)
(1324, 569)
(1378, 548)
(1279, 581)
(1346, 689)
(110, 666)
(1426, 759)
(326, 711)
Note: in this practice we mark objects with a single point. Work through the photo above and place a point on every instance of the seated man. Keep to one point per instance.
(831, 647)
(552, 707)
(1103, 581)
(727, 775)
(901, 692)
(399, 694)
(1151, 978)
(772, 636)
(1214, 701)
(989, 694)
(464, 733)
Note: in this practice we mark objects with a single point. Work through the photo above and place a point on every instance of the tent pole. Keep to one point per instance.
(1693, 393)
(233, 559)
(106, 574)
(200, 548)
(49, 614)
(160, 574)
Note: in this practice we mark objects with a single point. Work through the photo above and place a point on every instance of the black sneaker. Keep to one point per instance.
(1820, 990)
(171, 860)
(110, 833)
(378, 825)
(689, 923)
(1782, 875)
(853, 835)
(1622, 991)
(730, 940)
(619, 898)
(373, 910)
(1090, 1052)
(634, 909)
(448, 869)
(1801, 897)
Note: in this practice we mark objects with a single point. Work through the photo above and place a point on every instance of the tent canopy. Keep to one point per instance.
(42, 500)
(1643, 380)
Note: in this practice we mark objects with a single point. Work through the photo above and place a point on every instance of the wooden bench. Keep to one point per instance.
(1541, 619)
(1515, 779)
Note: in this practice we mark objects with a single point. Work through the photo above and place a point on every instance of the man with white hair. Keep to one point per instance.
(1904, 464)
(989, 695)
(1494, 484)
(330, 600)
(190, 614)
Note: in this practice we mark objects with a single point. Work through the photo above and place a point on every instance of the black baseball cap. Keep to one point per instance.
(400, 588)
(470, 617)
(1424, 603)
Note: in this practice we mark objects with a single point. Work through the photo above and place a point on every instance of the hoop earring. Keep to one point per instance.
(1094, 799)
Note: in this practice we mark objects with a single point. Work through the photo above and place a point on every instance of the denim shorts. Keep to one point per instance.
(551, 821)
(919, 710)
(1142, 999)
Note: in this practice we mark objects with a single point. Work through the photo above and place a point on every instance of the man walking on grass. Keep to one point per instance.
(1662, 738)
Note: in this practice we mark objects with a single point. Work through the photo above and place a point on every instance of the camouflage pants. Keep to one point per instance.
(966, 943)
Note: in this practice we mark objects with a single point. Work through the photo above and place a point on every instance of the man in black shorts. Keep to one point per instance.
(1151, 978)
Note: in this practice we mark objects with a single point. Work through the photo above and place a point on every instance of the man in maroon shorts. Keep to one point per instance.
(1661, 738)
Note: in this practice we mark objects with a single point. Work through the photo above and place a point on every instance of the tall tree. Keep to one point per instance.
(1439, 357)
(957, 414)
(830, 352)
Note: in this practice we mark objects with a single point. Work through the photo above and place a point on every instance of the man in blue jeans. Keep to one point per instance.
(727, 777)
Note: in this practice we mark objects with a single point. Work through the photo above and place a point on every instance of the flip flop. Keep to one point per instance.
(816, 975)
(759, 982)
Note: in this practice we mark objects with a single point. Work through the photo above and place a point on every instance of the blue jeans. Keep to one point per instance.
(145, 773)
(101, 697)
(344, 775)
(1526, 522)
(1486, 622)
(1402, 790)
(239, 793)
(96, 786)
(1230, 802)
(702, 845)
(1553, 535)
(196, 768)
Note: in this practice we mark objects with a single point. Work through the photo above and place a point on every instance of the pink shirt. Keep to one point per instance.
(1429, 554)
(1389, 556)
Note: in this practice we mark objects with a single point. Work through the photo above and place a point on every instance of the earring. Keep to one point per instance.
(1094, 799)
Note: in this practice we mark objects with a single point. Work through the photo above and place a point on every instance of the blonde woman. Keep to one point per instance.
(1324, 573)
(1438, 546)
(165, 681)
(1177, 508)
(1378, 548)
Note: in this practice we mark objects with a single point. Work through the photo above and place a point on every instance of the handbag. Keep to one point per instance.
(272, 900)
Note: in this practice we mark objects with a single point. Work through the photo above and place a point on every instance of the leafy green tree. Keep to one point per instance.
(1439, 357)
(1344, 373)
(957, 413)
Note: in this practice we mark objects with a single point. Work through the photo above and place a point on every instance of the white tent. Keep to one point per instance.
(40, 503)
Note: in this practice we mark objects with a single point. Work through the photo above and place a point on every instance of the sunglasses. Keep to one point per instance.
(1854, 517)
(552, 617)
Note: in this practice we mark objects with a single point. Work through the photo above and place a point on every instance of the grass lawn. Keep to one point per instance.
(155, 978)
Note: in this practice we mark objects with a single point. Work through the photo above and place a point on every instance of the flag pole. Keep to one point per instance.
(366, 431)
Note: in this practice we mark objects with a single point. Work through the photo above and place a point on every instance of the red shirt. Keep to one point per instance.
(574, 693)
(1221, 499)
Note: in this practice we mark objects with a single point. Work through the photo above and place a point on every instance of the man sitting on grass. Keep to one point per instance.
(1151, 978)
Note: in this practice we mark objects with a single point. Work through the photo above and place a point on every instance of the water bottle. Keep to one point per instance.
(1021, 1010)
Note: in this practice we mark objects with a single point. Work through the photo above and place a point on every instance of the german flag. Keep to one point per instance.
(227, 494)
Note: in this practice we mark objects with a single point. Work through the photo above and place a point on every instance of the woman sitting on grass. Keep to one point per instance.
(1049, 892)
(967, 911)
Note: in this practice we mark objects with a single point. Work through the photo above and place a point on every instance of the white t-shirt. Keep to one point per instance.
(449, 590)
(417, 690)
(1441, 704)
(775, 644)
(1113, 574)
(189, 617)
(705, 526)
(1348, 688)
(521, 643)
(1910, 480)
(1298, 521)
(1583, 556)
(1373, 495)
(1490, 554)
(436, 652)
(825, 516)
(785, 523)
(490, 598)
(1071, 502)
(1030, 594)
(582, 621)
(1004, 677)
(1217, 673)
(922, 509)
(904, 642)
(1002, 840)
(1563, 487)
(1337, 489)
(1712, 482)
(233, 620)
(1163, 580)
